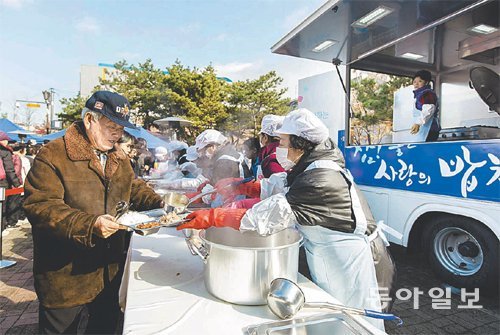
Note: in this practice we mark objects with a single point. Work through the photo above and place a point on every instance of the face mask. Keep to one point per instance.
(282, 158)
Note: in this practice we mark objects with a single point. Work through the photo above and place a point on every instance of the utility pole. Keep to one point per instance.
(49, 100)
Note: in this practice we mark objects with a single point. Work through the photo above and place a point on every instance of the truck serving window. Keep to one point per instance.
(373, 117)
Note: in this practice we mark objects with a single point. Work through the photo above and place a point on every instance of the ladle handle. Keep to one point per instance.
(336, 307)
(236, 183)
(239, 182)
(384, 316)
(196, 197)
(351, 310)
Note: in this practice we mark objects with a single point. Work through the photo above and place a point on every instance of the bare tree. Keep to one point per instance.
(28, 116)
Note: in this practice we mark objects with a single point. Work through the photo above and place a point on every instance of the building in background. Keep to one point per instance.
(91, 74)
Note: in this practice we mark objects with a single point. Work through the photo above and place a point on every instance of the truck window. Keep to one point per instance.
(372, 99)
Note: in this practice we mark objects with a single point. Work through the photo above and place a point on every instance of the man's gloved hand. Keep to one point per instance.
(105, 226)
(226, 189)
(215, 217)
(414, 129)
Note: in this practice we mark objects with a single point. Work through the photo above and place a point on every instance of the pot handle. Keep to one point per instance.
(190, 246)
(198, 250)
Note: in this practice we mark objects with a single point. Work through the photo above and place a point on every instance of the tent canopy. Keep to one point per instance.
(172, 120)
(53, 136)
(13, 130)
(152, 140)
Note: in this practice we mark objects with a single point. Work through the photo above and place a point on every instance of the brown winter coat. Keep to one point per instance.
(66, 190)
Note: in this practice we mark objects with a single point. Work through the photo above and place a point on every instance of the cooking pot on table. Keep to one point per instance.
(239, 266)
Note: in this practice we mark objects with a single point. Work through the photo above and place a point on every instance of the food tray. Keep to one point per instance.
(318, 324)
(145, 231)
(152, 216)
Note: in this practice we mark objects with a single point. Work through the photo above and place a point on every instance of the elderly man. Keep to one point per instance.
(71, 194)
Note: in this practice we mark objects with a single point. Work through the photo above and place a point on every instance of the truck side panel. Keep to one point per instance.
(400, 209)
(462, 169)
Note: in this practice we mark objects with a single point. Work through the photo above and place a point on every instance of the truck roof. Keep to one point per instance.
(361, 32)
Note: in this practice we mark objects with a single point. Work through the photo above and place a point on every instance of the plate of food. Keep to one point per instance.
(150, 222)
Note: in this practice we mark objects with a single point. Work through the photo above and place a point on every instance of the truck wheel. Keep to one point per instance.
(462, 252)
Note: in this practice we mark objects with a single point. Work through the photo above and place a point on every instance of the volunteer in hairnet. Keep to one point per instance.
(220, 160)
(342, 243)
(161, 160)
(269, 141)
(193, 175)
(225, 161)
(176, 149)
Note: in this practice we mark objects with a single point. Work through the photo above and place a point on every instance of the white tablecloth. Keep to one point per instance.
(164, 293)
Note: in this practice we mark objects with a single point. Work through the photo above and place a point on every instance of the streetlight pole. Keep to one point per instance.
(49, 100)
(51, 108)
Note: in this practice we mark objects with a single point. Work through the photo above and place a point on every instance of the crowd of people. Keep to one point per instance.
(293, 168)
(16, 160)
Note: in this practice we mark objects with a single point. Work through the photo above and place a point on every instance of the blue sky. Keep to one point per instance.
(43, 43)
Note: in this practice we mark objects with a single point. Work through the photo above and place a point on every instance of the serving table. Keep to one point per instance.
(163, 293)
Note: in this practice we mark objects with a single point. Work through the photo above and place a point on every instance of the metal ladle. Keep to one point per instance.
(285, 299)
(180, 201)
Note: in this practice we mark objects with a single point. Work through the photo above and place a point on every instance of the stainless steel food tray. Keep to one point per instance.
(318, 324)
(153, 215)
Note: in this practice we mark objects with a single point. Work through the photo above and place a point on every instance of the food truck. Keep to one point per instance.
(439, 197)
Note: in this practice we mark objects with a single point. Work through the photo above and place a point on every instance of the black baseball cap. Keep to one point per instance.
(112, 105)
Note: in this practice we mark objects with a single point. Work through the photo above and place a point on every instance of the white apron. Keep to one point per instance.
(339, 263)
(421, 136)
(342, 263)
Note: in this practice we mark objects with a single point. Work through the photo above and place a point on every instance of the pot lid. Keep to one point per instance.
(487, 84)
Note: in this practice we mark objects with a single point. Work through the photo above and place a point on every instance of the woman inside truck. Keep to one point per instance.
(425, 111)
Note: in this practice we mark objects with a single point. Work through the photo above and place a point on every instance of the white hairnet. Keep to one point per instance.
(302, 122)
(209, 136)
(270, 123)
(160, 151)
(176, 146)
(192, 153)
(189, 167)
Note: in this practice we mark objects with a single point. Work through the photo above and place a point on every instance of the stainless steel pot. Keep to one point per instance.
(239, 266)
